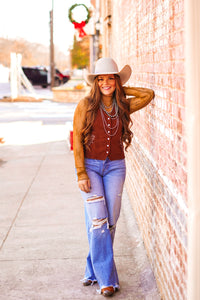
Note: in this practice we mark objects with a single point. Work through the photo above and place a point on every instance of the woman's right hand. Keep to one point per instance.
(84, 185)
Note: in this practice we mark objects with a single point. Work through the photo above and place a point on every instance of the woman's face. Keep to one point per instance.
(107, 84)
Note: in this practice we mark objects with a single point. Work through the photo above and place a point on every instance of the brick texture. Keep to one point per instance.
(149, 35)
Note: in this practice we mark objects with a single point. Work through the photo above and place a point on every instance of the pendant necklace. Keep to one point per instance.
(107, 107)
(114, 105)
(107, 127)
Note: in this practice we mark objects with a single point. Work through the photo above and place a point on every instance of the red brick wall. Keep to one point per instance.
(149, 35)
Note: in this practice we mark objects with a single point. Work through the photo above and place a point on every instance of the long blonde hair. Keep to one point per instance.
(94, 99)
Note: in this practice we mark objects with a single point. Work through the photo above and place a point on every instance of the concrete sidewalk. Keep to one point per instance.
(43, 243)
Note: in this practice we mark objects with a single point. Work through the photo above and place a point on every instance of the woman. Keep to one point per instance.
(101, 129)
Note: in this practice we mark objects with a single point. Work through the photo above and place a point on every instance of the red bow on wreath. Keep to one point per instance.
(79, 27)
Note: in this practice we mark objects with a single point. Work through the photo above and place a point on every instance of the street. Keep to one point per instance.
(20, 121)
(48, 112)
(6, 92)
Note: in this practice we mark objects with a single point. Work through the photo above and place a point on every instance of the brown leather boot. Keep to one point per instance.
(108, 291)
(87, 282)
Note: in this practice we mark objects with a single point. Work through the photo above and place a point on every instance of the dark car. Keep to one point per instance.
(39, 76)
(36, 76)
(63, 78)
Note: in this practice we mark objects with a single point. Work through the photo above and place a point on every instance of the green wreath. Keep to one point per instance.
(70, 13)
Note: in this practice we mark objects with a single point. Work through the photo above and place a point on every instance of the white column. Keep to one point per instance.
(192, 71)
(13, 76)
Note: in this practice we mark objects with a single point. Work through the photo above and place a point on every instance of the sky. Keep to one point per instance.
(29, 19)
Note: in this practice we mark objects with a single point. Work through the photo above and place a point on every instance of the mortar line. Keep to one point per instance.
(23, 199)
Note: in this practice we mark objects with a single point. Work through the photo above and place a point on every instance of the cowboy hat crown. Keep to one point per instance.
(106, 66)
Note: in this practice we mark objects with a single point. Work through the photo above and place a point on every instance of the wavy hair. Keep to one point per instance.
(94, 99)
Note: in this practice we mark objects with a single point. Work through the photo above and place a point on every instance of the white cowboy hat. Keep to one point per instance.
(106, 66)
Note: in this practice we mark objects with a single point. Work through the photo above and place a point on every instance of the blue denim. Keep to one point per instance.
(102, 210)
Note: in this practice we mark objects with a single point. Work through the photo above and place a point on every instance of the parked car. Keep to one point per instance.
(63, 78)
(39, 76)
(36, 75)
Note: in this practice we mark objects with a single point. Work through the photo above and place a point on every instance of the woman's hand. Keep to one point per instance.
(142, 97)
(84, 185)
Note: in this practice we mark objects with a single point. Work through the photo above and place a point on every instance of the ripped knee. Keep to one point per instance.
(98, 223)
(95, 198)
(97, 209)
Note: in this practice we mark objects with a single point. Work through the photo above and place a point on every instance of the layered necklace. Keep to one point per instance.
(111, 131)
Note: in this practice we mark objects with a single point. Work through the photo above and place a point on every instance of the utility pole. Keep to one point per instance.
(97, 29)
(52, 65)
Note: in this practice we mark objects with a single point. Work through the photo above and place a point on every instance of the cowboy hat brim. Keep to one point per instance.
(124, 75)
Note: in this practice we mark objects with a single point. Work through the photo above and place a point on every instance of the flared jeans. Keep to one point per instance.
(102, 209)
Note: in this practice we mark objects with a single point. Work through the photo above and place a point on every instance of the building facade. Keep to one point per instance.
(150, 36)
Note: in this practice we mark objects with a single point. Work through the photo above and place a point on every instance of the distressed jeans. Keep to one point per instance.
(102, 210)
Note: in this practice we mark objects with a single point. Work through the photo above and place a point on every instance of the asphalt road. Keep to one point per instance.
(6, 92)
(47, 111)
(46, 121)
